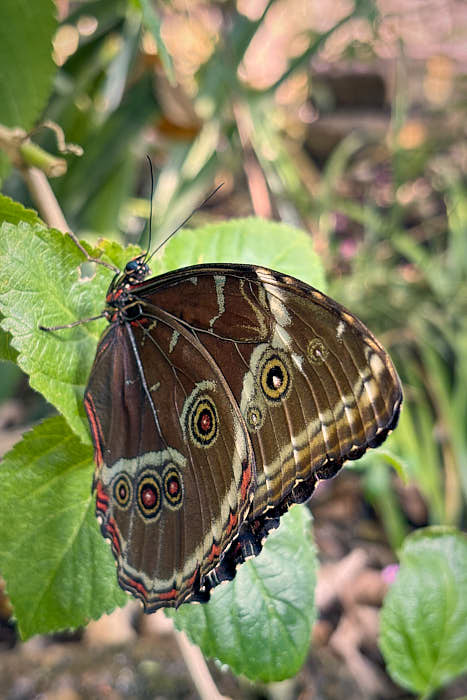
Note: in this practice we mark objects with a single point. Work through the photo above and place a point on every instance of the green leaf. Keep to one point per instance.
(11, 379)
(58, 569)
(260, 623)
(423, 621)
(14, 212)
(386, 455)
(26, 66)
(152, 22)
(7, 351)
(39, 284)
(105, 148)
(253, 241)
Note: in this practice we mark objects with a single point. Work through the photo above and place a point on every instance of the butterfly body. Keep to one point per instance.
(219, 396)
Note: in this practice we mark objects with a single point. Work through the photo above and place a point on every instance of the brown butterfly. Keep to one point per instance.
(219, 396)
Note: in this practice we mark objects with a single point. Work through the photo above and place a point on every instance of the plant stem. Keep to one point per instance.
(45, 199)
(198, 668)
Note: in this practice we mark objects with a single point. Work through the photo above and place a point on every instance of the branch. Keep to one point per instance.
(23, 152)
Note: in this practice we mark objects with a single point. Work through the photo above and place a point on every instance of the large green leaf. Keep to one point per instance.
(254, 241)
(26, 66)
(423, 621)
(58, 569)
(39, 284)
(260, 623)
(13, 212)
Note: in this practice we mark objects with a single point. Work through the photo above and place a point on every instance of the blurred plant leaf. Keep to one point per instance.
(7, 351)
(106, 148)
(423, 630)
(152, 22)
(26, 33)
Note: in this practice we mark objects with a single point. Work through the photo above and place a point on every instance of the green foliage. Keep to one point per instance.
(274, 595)
(252, 241)
(14, 212)
(152, 21)
(28, 28)
(377, 477)
(423, 630)
(410, 287)
(58, 568)
(39, 285)
(7, 352)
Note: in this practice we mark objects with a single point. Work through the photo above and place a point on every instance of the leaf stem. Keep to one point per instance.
(198, 668)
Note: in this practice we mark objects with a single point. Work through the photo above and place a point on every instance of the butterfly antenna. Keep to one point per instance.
(150, 207)
(200, 206)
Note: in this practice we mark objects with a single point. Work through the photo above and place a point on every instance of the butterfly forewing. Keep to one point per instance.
(313, 384)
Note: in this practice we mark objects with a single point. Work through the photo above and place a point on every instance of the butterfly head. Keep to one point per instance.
(136, 270)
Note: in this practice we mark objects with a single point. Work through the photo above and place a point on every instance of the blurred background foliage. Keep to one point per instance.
(347, 119)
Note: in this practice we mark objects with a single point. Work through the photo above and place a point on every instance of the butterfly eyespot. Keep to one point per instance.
(317, 352)
(274, 376)
(203, 422)
(173, 487)
(254, 417)
(149, 495)
(122, 491)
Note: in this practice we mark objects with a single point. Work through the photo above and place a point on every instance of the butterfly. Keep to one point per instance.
(219, 396)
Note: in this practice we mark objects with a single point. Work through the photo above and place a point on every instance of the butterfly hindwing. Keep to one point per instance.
(174, 473)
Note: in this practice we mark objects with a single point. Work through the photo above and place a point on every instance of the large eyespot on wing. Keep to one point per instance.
(176, 470)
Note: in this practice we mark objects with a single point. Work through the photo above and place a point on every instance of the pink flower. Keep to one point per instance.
(389, 573)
